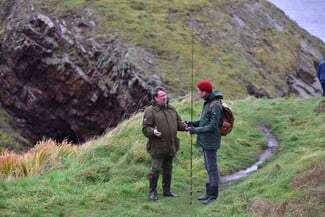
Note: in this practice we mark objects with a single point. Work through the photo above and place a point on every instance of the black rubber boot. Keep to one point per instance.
(214, 190)
(207, 187)
(153, 180)
(166, 182)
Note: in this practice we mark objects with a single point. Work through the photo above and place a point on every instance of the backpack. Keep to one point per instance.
(228, 117)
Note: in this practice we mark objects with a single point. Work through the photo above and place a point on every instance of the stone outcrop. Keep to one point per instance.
(58, 81)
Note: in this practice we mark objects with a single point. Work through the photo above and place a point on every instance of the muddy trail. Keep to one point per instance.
(272, 146)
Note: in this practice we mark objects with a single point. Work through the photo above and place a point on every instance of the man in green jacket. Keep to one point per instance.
(160, 125)
(209, 136)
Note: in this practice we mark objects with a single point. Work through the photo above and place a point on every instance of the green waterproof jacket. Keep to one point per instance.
(208, 127)
(168, 122)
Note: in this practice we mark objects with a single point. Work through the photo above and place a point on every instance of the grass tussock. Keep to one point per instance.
(46, 155)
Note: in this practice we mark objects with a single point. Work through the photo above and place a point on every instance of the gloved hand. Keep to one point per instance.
(191, 130)
(188, 123)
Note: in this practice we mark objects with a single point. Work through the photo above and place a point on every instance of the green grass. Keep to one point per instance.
(108, 177)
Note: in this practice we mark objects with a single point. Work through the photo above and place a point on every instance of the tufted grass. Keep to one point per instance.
(44, 156)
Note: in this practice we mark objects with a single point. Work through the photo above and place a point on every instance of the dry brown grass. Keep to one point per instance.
(8, 164)
(311, 182)
(45, 155)
(268, 208)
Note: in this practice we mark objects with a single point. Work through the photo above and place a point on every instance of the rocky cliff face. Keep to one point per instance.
(58, 81)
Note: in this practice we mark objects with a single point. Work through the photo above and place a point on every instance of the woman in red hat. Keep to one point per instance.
(209, 136)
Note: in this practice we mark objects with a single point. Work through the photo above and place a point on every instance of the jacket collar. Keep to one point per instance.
(159, 107)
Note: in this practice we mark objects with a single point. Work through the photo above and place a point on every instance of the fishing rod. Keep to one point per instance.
(191, 141)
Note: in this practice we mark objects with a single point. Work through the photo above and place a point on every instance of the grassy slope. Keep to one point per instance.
(163, 28)
(108, 176)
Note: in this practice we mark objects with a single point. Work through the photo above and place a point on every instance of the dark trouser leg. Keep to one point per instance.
(210, 162)
(153, 180)
(167, 177)
(323, 86)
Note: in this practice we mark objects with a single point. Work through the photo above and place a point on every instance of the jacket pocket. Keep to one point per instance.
(159, 147)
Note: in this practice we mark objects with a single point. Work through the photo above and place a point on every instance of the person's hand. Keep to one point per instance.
(156, 132)
(191, 130)
(188, 123)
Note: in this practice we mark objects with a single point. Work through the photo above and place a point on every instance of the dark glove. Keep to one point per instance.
(189, 123)
(191, 130)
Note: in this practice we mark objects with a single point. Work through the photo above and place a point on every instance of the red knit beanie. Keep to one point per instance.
(205, 85)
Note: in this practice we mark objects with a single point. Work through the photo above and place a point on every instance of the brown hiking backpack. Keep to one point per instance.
(228, 117)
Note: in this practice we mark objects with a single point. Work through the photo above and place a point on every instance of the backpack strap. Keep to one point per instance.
(213, 102)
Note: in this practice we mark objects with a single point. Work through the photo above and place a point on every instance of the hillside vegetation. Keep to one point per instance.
(200, 36)
(107, 176)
